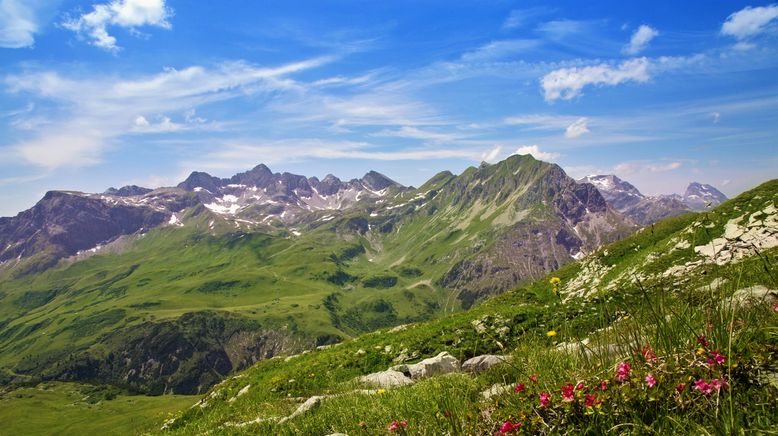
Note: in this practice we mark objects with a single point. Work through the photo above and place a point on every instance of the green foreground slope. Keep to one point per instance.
(659, 301)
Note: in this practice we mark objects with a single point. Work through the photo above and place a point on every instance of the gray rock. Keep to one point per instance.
(308, 405)
(484, 362)
(386, 379)
(443, 363)
(757, 294)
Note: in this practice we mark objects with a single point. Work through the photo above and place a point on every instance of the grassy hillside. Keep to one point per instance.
(698, 361)
(178, 308)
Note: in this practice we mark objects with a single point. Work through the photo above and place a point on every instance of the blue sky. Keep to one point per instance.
(105, 93)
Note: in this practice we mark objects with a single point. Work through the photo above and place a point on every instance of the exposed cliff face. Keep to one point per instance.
(63, 223)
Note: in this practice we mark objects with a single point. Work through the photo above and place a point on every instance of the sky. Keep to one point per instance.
(104, 93)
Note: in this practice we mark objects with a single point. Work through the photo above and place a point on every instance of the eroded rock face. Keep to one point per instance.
(386, 379)
(743, 237)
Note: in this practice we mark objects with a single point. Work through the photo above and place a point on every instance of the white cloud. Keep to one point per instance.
(100, 110)
(716, 116)
(567, 83)
(19, 22)
(640, 39)
(578, 128)
(749, 21)
(535, 151)
(416, 133)
(636, 167)
(123, 13)
(491, 155)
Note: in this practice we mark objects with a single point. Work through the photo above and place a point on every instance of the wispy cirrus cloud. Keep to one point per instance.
(130, 14)
(577, 128)
(99, 111)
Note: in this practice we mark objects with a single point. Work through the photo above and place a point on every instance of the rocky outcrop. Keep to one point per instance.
(743, 237)
(386, 379)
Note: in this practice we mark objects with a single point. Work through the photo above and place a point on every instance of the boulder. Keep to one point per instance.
(309, 404)
(443, 363)
(386, 379)
(482, 363)
(757, 294)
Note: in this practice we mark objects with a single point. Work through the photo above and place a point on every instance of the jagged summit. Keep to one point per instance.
(701, 196)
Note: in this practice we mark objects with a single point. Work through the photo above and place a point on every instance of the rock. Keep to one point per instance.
(573, 347)
(386, 379)
(240, 392)
(732, 231)
(482, 363)
(398, 328)
(496, 389)
(443, 363)
(757, 294)
(308, 405)
(712, 248)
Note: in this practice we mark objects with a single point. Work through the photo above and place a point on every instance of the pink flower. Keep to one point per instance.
(591, 401)
(603, 385)
(703, 386)
(534, 378)
(622, 371)
(775, 307)
(394, 426)
(545, 399)
(650, 380)
(579, 386)
(702, 341)
(718, 357)
(519, 387)
(719, 383)
(508, 427)
(567, 392)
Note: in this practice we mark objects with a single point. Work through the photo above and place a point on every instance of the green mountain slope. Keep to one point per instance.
(659, 300)
(183, 305)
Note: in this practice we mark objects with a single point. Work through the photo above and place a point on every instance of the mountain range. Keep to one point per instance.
(643, 209)
(167, 290)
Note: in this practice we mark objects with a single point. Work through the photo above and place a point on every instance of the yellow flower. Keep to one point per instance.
(700, 351)
(382, 391)
(551, 333)
(555, 281)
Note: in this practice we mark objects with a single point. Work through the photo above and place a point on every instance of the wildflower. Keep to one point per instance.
(534, 378)
(775, 307)
(519, 387)
(648, 354)
(591, 401)
(700, 351)
(555, 281)
(394, 426)
(702, 340)
(622, 371)
(381, 391)
(551, 333)
(579, 386)
(508, 427)
(717, 358)
(680, 387)
(703, 386)
(719, 384)
(567, 392)
(650, 380)
(545, 399)
(603, 385)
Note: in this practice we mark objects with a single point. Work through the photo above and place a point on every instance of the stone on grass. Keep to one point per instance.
(482, 363)
(386, 379)
(443, 363)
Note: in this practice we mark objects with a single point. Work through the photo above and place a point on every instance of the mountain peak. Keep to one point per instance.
(376, 181)
(127, 191)
(701, 196)
(200, 179)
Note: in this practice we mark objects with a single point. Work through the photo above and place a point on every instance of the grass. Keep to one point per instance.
(70, 408)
